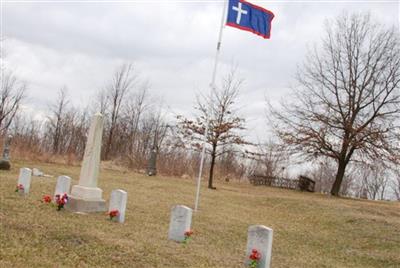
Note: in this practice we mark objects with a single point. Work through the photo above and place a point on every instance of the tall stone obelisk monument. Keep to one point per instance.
(86, 196)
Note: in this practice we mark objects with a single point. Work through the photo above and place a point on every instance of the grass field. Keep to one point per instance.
(310, 230)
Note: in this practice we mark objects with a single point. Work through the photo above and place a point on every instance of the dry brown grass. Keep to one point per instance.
(310, 230)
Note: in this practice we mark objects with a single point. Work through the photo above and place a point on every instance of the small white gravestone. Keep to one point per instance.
(181, 220)
(25, 175)
(118, 202)
(37, 173)
(63, 185)
(259, 237)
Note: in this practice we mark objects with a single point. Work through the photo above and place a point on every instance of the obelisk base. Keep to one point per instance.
(85, 205)
(86, 199)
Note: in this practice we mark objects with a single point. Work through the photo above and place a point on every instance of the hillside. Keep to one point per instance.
(310, 230)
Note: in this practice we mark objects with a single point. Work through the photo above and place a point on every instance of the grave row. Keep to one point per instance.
(259, 237)
(87, 197)
(118, 197)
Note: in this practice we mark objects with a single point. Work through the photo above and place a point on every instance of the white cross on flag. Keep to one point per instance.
(246, 16)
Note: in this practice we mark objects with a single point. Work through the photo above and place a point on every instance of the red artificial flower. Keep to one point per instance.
(61, 200)
(20, 187)
(113, 213)
(188, 233)
(46, 198)
(255, 255)
(65, 198)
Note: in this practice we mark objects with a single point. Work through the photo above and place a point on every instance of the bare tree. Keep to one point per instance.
(396, 187)
(174, 158)
(122, 81)
(324, 175)
(133, 113)
(268, 159)
(348, 97)
(374, 180)
(102, 102)
(11, 95)
(223, 122)
(58, 111)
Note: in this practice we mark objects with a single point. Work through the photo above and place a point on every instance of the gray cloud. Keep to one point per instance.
(172, 44)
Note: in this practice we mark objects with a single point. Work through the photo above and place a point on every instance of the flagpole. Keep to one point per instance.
(212, 87)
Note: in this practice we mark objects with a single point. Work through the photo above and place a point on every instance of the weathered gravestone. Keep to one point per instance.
(86, 196)
(152, 164)
(259, 237)
(118, 202)
(181, 221)
(5, 161)
(25, 175)
(63, 185)
(37, 173)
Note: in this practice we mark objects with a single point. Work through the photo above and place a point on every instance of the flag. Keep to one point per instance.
(246, 16)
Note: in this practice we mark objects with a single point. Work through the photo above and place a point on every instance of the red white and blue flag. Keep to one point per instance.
(246, 16)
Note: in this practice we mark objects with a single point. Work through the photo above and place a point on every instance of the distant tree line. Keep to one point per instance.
(343, 120)
(134, 124)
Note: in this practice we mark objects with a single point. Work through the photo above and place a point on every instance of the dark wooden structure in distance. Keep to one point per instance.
(303, 183)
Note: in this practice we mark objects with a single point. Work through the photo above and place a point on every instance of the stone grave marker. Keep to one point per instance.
(37, 173)
(181, 221)
(259, 237)
(25, 175)
(152, 164)
(118, 202)
(63, 185)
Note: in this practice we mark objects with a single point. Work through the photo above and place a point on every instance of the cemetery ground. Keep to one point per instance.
(310, 230)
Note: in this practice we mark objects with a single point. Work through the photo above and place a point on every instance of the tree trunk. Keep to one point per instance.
(210, 178)
(56, 139)
(339, 178)
(55, 145)
(109, 142)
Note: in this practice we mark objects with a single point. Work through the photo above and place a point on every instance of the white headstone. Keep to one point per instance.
(25, 175)
(63, 185)
(181, 221)
(118, 201)
(37, 173)
(86, 196)
(259, 237)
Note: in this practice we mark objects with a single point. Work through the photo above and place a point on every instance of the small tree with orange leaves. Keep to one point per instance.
(224, 125)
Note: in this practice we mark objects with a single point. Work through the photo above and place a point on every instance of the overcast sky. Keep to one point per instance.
(171, 43)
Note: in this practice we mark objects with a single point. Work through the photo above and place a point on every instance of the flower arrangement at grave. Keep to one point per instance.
(254, 257)
(113, 214)
(61, 200)
(20, 188)
(188, 235)
(46, 199)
